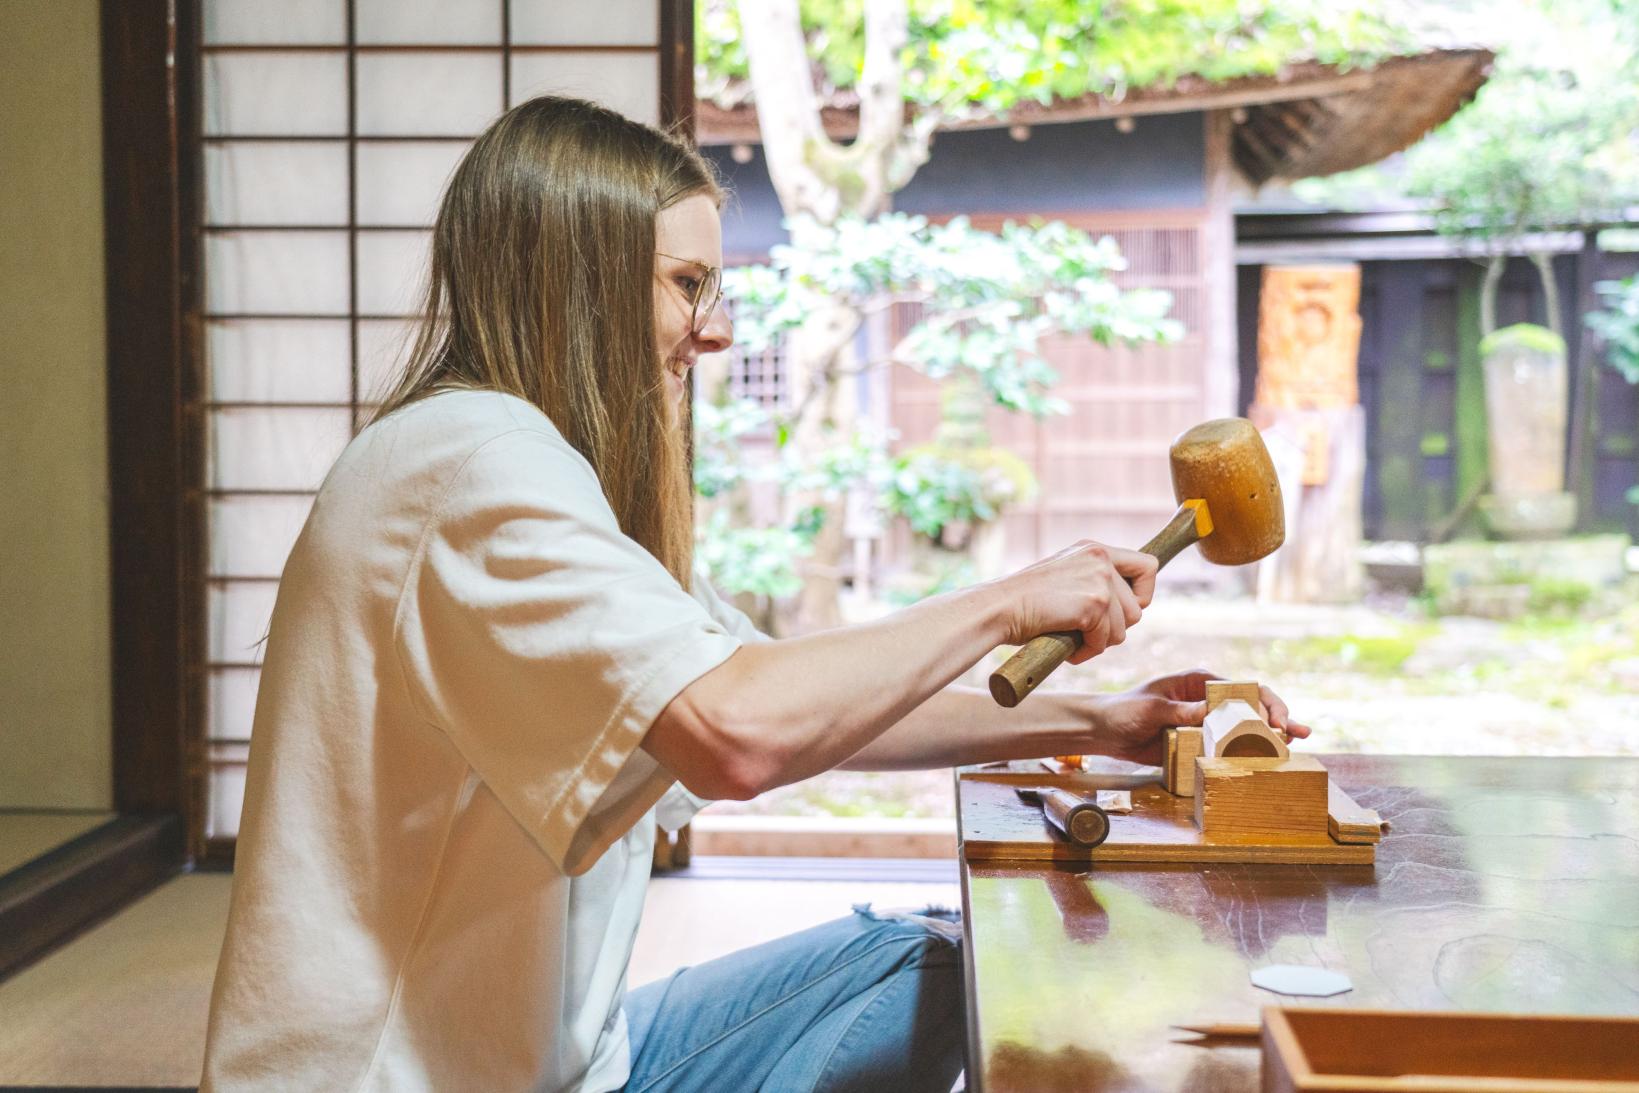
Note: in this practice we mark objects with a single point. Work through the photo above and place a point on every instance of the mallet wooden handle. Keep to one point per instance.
(1037, 658)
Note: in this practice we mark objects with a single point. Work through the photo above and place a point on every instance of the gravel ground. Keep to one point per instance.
(1381, 677)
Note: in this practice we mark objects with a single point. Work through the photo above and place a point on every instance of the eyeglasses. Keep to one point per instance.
(708, 290)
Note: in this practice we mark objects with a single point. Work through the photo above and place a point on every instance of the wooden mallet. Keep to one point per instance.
(1228, 501)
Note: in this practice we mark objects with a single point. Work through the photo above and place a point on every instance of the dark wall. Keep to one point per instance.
(1419, 360)
(1069, 167)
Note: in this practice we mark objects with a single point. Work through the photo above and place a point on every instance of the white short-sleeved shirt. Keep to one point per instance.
(448, 821)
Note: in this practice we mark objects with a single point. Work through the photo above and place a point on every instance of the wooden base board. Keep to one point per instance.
(51, 899)
(998, 826)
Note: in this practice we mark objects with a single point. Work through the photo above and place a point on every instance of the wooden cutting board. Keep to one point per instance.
(997, 825)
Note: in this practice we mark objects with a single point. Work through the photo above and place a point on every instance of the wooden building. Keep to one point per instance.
(1160, 171)
(1420, 375)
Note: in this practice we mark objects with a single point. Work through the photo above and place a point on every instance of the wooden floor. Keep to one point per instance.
(126, 1003)
(25, 834)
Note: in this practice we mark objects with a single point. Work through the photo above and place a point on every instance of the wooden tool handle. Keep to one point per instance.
(1078, 819)
(1037, 659)
(1190, 524)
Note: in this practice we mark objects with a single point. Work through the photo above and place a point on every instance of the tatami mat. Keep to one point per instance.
(126, 1003)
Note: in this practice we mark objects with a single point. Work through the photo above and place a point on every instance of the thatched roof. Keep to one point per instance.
(1310, 119)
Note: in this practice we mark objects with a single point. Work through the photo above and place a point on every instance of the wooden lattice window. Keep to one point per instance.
(328, 128)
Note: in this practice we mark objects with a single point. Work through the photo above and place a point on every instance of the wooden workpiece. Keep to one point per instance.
(1347, 821)
(997, 826)
(1256, 800)
(1219, 691)
(1180, 748)
(1234, 730)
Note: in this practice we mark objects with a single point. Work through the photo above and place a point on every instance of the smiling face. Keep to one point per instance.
(690, 236)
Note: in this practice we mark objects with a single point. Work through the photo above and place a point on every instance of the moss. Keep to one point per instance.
(1382, 655)
(1522, 336)
(1556, 596)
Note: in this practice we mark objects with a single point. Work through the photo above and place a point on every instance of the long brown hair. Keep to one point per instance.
(542, 286)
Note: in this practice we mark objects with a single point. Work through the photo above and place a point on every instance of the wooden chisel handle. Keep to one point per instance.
(1075, 817)
(1037, 658)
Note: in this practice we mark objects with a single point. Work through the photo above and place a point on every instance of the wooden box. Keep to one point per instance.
(1327, 1050)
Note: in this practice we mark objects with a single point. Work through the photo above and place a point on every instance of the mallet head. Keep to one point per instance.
(1225, 463)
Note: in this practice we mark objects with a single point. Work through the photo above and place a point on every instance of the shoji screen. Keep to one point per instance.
(328, 129)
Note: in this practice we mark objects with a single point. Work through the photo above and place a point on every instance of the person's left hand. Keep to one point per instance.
(1130, 723)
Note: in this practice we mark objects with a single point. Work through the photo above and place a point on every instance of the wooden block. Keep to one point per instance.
(1181, 747)
(1349, 823)
(1219, 691)
(1254, 799)
(1235, 730)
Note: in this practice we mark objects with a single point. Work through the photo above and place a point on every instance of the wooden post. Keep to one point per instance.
(1584, 367)
(1221, 381)
(1469, 424)
(1308, 406)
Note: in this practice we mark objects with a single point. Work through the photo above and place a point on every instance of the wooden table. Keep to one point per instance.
(1501, 885)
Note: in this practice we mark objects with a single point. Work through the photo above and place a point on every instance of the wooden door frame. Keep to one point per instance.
(149, 64)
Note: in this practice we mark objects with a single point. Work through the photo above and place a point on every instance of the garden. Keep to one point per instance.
(790, 487)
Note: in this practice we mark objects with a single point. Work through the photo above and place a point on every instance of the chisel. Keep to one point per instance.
(1076, 818)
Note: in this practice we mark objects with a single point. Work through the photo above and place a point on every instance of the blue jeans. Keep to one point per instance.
(868, 1002)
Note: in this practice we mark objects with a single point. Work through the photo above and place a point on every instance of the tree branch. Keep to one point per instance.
(796, 148)
(881, 103)
(1488, 293)
(1550, 290)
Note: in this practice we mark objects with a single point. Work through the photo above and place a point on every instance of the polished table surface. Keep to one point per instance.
(1502, 884)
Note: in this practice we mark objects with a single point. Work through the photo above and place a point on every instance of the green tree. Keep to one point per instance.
(1551, 142)
(911, 67)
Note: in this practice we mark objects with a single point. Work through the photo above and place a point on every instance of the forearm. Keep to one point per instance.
(781, 711)
(962, 725)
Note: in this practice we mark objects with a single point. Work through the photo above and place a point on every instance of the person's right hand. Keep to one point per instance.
(1095, 589)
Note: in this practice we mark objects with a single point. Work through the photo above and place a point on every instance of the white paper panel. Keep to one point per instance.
(275, 94)
(430, 22)
(392, 271)
(286, 22)
(276, 273)
(231, 704)
(267, 182)
(401, 184)
(277, 449)
(605, 23)
(279, 360)
(627, 82)
(227, 790)
(251, 536)
(237, 614)
(384, 346)
(435, 94)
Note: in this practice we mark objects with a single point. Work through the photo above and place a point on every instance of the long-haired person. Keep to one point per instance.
(490, 671)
